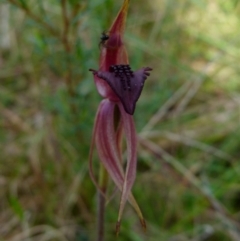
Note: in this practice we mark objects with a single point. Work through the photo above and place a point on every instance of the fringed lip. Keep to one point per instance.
(126, 84)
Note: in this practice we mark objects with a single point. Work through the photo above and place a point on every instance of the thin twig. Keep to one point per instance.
(103, 181)
(191, 86)
(189, 142)
(220, 210)
(67, 47)
(66, 26)
(40, 230)
(197, 83)
(36, 18)
(166, 106)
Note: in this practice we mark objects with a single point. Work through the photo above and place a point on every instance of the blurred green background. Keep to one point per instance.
(188, 119)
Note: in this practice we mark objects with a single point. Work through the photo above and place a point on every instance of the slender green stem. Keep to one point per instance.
(103, 181)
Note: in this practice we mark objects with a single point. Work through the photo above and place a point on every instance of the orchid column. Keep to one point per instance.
(120, 87)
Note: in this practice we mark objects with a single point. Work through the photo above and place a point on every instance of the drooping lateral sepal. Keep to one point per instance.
(106, 138)
(126, 84)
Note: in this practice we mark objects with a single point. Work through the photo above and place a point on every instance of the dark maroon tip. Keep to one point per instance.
(93, 71)
(126, 84)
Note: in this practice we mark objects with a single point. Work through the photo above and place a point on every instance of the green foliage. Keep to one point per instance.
(187, 187)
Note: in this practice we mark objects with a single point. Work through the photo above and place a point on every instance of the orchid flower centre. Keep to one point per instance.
(125, 83)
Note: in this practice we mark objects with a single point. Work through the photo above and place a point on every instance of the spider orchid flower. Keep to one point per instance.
(120, 87)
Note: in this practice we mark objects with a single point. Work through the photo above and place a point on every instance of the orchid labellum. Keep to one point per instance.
(120, 87)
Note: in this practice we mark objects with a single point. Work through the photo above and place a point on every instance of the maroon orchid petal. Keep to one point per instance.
(107, 141)
(130, 174)
(126, 84)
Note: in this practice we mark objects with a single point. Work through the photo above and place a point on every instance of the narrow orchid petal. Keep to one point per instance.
(130, 174)
(119, 22)
(91, 152)
(131, 198)
(126, 84)
(134, 204)
(114, 51)
(107, 144)
(119, 135)
(90, 159)
(105, 139)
